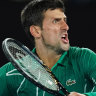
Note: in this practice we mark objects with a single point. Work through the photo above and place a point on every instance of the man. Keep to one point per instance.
(75, 67)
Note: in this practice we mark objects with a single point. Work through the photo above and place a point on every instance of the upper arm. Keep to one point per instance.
(3, 82)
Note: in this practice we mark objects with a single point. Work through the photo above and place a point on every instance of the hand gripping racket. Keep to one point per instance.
(30, 66)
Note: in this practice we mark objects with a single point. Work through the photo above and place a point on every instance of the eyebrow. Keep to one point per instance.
(59, 18)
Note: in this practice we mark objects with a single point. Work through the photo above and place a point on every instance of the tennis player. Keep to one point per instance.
(45, 23)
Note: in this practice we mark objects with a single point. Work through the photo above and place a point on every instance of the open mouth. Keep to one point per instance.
(64, 38)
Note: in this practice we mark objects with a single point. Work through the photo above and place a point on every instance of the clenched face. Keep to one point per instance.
(54, 31)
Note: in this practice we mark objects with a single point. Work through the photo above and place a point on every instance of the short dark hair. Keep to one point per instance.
(33, 13)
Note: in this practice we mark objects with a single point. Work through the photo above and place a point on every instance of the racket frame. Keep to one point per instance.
(9, 57)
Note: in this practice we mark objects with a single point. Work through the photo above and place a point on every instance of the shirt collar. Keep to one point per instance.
(61, 60)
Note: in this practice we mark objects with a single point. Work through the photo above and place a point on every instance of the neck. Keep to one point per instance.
(48, 56)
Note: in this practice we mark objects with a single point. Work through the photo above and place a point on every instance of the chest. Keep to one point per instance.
(70, 78)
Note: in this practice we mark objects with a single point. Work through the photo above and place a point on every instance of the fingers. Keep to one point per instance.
(75, 94)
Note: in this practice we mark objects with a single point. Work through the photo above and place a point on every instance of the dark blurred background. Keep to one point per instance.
(81, 20)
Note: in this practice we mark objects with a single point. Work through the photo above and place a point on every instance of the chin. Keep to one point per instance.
(66, 47)
(62, 49)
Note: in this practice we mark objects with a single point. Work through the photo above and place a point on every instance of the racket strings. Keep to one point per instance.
(49, 71)
(31, 66)
(14, 50)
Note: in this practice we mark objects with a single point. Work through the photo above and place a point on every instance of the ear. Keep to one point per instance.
(35, 31)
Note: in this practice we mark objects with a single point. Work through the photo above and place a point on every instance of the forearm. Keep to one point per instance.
(77, 94)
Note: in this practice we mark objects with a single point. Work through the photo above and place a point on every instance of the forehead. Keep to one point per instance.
(56, 13)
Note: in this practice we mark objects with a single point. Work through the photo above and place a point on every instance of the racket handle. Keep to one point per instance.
(64, 90)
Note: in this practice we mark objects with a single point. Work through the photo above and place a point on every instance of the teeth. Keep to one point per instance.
(63, 36)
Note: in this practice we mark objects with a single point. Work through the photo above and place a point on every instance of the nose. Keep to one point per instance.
(64, 26)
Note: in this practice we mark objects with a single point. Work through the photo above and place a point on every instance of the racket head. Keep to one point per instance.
(18, 54)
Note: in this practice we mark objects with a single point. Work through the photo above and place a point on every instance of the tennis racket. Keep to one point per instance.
(31, 67)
